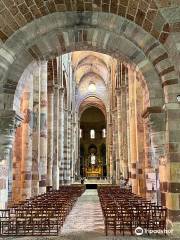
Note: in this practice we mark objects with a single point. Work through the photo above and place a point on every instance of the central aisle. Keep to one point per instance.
(86, 215)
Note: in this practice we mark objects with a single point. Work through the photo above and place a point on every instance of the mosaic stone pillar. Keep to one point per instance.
(26, 162)
(133, 130)
(50, 135)
(43, 128)
(36, 132)
(55, 169)
(7, 123)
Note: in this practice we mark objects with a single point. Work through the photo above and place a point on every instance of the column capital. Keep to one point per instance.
(118, 92)
(18, 120)
(50, 89)
(56, 86)
(9, 121)
(150, 110)
(61, 90)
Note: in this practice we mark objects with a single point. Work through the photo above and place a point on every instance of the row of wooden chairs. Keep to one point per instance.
(124, 211)
(42, 215)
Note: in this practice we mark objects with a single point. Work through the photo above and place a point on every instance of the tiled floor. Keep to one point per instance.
(86, 215)
(85, 222)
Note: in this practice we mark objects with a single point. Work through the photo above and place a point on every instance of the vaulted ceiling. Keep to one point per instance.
(91, 64)
(91, 68)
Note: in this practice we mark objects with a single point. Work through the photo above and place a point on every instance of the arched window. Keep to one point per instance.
(92, 87)
(92, 133)
(80, 133)
(104, 133)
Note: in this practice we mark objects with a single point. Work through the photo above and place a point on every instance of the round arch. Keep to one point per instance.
(92, 101)
(76, 31)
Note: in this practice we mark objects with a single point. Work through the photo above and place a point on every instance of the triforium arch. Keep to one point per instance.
(100, 31)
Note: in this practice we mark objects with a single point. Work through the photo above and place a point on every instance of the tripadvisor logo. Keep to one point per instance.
(139, 231)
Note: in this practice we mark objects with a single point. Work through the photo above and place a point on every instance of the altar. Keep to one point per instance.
(93, 171)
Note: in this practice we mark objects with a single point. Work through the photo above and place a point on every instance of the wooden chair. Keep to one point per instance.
(158, 218)
(110, 219)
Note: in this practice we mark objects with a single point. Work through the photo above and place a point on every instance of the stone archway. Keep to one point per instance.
(92, 123)
(70, 31)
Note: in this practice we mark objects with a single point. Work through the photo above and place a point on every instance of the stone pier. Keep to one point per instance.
(133, 130)
(26, 162)
(7, 126)
(43, 128)
(50, 147)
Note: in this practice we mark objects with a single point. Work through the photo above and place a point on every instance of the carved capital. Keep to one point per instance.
(50, 89)
(7, 121)
(61, 90)
(118, 92)
(18, 121)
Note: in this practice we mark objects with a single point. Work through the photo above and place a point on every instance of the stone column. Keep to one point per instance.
(61, 136)
(124, 143)
(170, 165)
(148, 157)
(36, 132)
(157, 138)
(50, 147)
(77, 168)
(17, 156)
(114, 148)
(128, 136)
(55, 176)
(64, 162)
(77, 146)
(73, 155)
(7, 121)
(109, 146)
(43, 129)
(140, 138)
(133, 130)
(119, 137)
(26, 162)
(69, 148)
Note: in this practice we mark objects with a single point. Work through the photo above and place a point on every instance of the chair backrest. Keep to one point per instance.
(4, 214)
